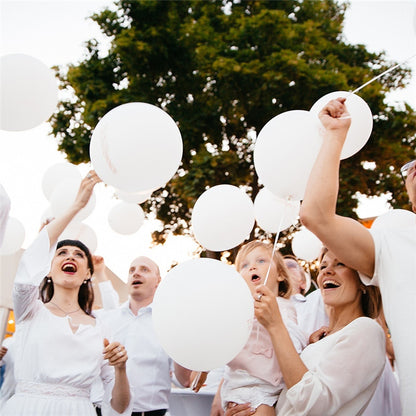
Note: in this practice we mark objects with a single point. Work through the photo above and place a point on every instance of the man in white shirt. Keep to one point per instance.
(148, 365)
(384, 256)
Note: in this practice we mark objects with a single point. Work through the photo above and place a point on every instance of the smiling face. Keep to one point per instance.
(340, 286)
(253, 266)
(144, 277)
(69, 267)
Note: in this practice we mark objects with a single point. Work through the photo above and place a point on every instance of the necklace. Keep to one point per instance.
(66, 313)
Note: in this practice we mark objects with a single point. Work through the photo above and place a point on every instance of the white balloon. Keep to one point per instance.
(57, 173)
(222, 217)
(126, 218)
(81, 232)
(63, 196)
(285, 151)
(29, 92)
(136, 147)
(361, 120)
(271, 211)
(305, 245)
(135, 198)
(14, 236)
(203, 313)
(395, 219)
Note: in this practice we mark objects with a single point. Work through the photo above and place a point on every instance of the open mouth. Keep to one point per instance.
(330, 284)
(136, 282)
(70, 268)
(255, 278)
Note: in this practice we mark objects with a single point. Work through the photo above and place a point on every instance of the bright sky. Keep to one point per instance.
(54, 32)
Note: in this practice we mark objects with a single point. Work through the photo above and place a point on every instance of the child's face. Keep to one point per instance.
(254, 269)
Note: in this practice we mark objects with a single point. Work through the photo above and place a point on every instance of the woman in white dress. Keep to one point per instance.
(338, 374)
(60, 347)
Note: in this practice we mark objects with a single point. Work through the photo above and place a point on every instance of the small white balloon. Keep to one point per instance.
(305, 245)
(63, 196)
(57, 173)
(81, 232)
(126, 218)
(271, 211)
(13, 237)
(136, 147)
(285, 151)
(203, 313)
(133, 197)
(361, 120)
(29, 92)
(222, 217)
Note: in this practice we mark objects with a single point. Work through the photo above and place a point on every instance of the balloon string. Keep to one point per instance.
(380, 75)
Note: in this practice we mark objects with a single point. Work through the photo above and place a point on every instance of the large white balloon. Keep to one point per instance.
(81, 232)
(395, 219)
(64, 195)
(133, 197)
(305, 245)
(285, 151)
(29, 92)
(361, 120)
(271, 211)
(126, 218)
(13, 237)
(58, 173)
(203, 313)
(136, 147)
(222, 217)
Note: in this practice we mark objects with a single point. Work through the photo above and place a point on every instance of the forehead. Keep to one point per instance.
(291, 263)
(70, 248)
(143, 262)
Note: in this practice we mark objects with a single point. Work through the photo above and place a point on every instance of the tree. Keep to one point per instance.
(222, 70)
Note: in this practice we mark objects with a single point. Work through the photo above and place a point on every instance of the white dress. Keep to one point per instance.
(54, 366)
(344, 369)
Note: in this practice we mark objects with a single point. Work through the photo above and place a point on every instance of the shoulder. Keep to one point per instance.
(365, 327)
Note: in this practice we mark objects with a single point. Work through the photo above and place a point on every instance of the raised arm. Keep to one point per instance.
(58, 225)
(348, 239)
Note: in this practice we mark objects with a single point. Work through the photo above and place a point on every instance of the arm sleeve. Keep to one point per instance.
(33, 267)
(342, 373)
(109, 296)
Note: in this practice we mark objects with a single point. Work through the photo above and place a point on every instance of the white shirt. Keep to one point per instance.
(394, 235)
(148, 365)
(344, 369)
(4, 212)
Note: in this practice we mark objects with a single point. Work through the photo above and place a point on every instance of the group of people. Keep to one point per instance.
(323, 354)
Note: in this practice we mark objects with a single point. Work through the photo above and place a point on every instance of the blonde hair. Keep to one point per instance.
(284, 285)
(370, 295)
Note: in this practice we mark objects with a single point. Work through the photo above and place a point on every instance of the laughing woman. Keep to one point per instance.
(338, 374)
(60, 347)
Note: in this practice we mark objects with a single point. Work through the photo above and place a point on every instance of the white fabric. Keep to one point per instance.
(344, 369)
(4, 212)
(395, 274)
(54, 367)
(148, 366)
(109, 296)
(9, 383)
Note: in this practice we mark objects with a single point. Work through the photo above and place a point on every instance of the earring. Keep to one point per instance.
(85, 282)
(48, 280)
(364, 291)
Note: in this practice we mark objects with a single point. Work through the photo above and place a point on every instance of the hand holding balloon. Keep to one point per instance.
(335, 117)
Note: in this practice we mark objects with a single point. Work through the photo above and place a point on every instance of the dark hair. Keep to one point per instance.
(85, 293)
(370, 297)
(284, 285)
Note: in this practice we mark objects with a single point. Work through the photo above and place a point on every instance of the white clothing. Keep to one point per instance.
(343, 372)
(310, 311)
(394, 235)
(109, 296)
(4, 212)
(54, 367)
(148, 366)
(9, 383)
(254, 375)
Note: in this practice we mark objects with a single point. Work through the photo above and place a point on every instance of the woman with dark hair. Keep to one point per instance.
(60, 347)
(338, 374)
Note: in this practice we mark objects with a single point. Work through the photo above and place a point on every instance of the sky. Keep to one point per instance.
(55, 31)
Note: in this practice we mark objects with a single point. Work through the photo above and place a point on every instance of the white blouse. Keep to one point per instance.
(344, 369)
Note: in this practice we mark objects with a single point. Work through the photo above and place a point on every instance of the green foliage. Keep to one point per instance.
(222, 70)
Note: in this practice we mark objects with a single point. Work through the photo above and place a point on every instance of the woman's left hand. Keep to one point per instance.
(115, 353)
(265, 307)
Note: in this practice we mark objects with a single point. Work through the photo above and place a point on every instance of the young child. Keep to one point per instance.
(253, 375)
